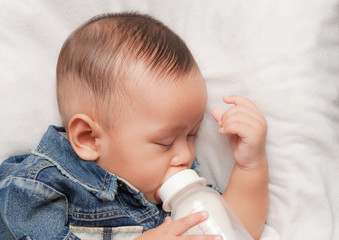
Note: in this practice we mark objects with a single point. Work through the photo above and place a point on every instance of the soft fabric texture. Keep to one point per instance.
(283, 55)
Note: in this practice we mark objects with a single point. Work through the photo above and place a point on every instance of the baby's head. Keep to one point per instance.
(131, 98)
(102, 61)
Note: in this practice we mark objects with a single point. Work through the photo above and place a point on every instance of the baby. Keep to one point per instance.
(131, 98)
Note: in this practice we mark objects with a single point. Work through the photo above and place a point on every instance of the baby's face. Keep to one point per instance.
(154, 140)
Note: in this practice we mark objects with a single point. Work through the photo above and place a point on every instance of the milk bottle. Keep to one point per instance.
(185, 193)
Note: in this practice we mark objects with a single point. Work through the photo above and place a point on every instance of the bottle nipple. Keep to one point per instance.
(176, 184)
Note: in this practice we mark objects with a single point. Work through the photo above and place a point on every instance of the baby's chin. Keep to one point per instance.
(157, 197)
(154, 198)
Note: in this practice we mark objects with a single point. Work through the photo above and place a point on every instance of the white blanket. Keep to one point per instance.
(283, 55)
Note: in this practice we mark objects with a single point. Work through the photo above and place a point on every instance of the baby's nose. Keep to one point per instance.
(184, 157)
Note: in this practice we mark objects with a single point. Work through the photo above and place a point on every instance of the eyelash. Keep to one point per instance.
(169, 146)
(192, 135)
(166, 147)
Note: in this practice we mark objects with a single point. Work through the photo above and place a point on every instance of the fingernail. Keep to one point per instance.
(204, 213)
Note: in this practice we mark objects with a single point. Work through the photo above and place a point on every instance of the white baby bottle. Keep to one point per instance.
(185, 193)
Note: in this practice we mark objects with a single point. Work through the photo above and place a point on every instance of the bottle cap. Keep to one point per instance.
(177, 183)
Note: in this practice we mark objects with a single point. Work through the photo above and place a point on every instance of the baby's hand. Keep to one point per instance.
(246, 129)
(174, 230)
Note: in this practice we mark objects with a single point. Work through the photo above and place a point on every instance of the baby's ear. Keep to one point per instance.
(84, 135)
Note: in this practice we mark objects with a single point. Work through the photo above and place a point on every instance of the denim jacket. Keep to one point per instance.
(51, 193)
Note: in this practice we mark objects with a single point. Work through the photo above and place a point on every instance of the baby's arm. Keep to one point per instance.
(247, 190)
(174, 230)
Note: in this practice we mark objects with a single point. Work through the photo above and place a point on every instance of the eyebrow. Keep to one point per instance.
(177, 128)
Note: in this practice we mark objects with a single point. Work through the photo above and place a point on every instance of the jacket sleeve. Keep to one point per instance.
(30, 209)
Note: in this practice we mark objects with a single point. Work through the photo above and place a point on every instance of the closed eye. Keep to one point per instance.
(166, 146)
(193, 135)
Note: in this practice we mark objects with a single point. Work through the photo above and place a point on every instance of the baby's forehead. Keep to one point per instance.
(142, 81)
(140, 76)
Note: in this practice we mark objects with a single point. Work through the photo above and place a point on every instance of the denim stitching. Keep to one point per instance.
(69, 236)
(121, 200)
(140, 217)
(86, 215)
(64, 171)
(33, 174)
(104, 183)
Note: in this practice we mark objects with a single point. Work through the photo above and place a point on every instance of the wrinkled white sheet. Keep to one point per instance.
(283, 55)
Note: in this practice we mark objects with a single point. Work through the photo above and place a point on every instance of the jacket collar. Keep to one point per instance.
(57, 149)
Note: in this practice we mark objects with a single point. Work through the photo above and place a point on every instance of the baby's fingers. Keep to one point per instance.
(243, 109)
(182, 225)
(201, 237)
(239, 100)
(217, 114)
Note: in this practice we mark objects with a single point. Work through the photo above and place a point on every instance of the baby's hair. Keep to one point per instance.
(96, 59)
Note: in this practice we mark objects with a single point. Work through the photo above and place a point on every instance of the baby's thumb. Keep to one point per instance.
(217, 114)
